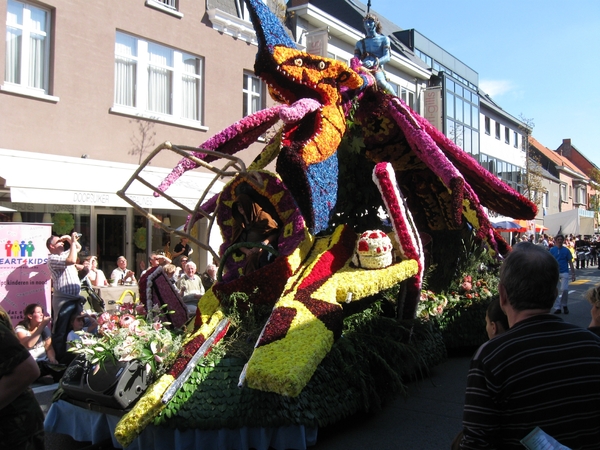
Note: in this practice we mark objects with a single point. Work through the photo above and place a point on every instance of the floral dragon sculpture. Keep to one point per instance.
(425, 180)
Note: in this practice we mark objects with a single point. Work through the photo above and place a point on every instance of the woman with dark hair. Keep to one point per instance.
(253, 224)
(34, 334)
(21, 418)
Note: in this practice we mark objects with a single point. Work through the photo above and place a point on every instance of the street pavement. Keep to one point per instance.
(428, 418)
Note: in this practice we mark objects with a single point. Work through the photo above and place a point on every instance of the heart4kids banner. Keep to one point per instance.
(24, 274)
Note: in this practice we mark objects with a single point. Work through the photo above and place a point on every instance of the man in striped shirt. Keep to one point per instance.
(66, 298)
(543, 372)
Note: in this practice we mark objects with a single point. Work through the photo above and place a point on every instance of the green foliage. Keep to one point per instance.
(445, 255)
(358, 199)
(459, 310)
(457, 305)
(594, 174)
(463, 324)
(385, 353)
(139, 238)
(182, 405)
(247, 321)
(63, 223)
(372, 360)
(455, 252)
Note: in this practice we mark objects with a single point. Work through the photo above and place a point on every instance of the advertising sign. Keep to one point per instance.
(24, 274)
(433, 106)
(316, 42)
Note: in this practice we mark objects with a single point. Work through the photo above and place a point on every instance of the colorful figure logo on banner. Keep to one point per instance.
(24, 275)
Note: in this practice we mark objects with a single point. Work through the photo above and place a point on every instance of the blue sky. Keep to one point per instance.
(538, 59)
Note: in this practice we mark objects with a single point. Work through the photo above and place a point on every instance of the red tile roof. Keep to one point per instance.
(553, 156)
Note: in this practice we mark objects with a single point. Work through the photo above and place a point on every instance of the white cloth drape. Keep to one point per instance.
(189, 90)
(86, 425)
(13, 55)
(125, 70)
(36, 61)
(160, 79)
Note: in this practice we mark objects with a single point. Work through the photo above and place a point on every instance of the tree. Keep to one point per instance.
(143, 140)
(279, 8)
(533, 168)
(594, 203)
(455, 134)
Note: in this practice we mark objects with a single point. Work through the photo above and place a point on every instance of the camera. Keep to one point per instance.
(79, 236)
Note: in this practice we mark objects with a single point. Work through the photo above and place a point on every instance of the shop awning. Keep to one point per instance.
(51, 179)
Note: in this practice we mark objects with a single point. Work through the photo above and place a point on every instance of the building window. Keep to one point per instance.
(344, 60)
(563, 193)
(509, 173)
(451, 130)
(488, 127)
(475, 116)
(407, 96)
(506, 135)
(157, 80)
(242, 9)
(168, 3)
(27, 46)
(497, 130)
(461, 113)
(253, 94)
(459, 110)
(580, 195)
(516, 140)
(475, 143)
(167, 6)
(424, 57)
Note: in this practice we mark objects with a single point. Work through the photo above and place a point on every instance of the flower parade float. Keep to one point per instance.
(329, 327)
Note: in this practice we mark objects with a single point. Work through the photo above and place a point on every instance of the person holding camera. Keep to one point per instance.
(157, 258)
(95, 275)
(66, 297)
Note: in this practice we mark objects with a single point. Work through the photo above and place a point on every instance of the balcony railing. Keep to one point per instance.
(169, 3)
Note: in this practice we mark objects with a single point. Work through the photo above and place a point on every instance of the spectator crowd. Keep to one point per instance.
(537, 373)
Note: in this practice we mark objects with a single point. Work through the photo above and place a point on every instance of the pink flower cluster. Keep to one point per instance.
(472, 289)
(127, 318)
(467, 283)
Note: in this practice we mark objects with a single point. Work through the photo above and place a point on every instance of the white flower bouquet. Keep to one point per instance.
(130, 333)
